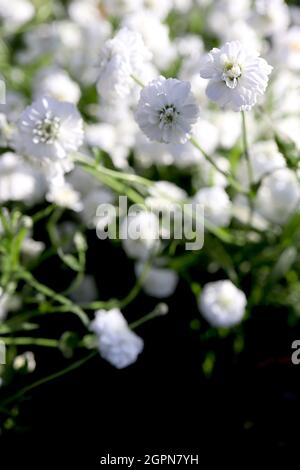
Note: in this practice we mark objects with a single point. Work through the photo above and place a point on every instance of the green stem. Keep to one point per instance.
(18, 341)
(112, 183)
(138, 81)
(230, 178)
(53, 376)
(159, 311)
(116, 303)
(132, 178)
(246, 149)
(249, 167)
(27, 277)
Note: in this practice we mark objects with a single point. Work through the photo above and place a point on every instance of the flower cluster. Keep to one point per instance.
(128, 98)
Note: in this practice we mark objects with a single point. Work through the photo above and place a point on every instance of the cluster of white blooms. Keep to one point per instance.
(121, 58)
(117, 343)
(222, 304)
(142, 75)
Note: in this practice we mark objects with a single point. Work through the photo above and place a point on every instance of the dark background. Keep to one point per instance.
(163, 403)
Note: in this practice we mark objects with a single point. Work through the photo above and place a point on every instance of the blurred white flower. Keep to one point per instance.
(148, 153)
(270, 16)
(222, 304)
(242, 32)
(265, 158)
(25, 360)
(164, 196)
(4, 304)
(140, 235)
(237, 76)
(288, 129)
(57, 84)
(49, 130)
(121, 58)
(14, 13)
(224, 13)
(159, 282)
(31, 248)
(287, 48)
(65, 196)
(120, 8)
(205, 174)
(278, 196)
(216, 203)
(91, 202)
(20, 181)
(115, 139)
(155, 36)
(228, 125)
(116, 342)
(86, 291)
(165, 200)
(167, 111)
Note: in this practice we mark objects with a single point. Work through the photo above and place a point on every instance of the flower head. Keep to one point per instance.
(20, 181)
(167, 110)
(121, 58)
(49, 129)
(117, 343)
(238, 76)
(222, 304)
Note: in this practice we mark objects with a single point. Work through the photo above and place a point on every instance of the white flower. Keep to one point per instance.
(117, 343)
(159, 282)
(237, 76)
(216, 204)
(25, 360)
(57, 84)
(121, 58)
(167, 111)
(20, 181)
(65, 196)
(279, 196)
(49, 130)
(222, 304)
(140, 234)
